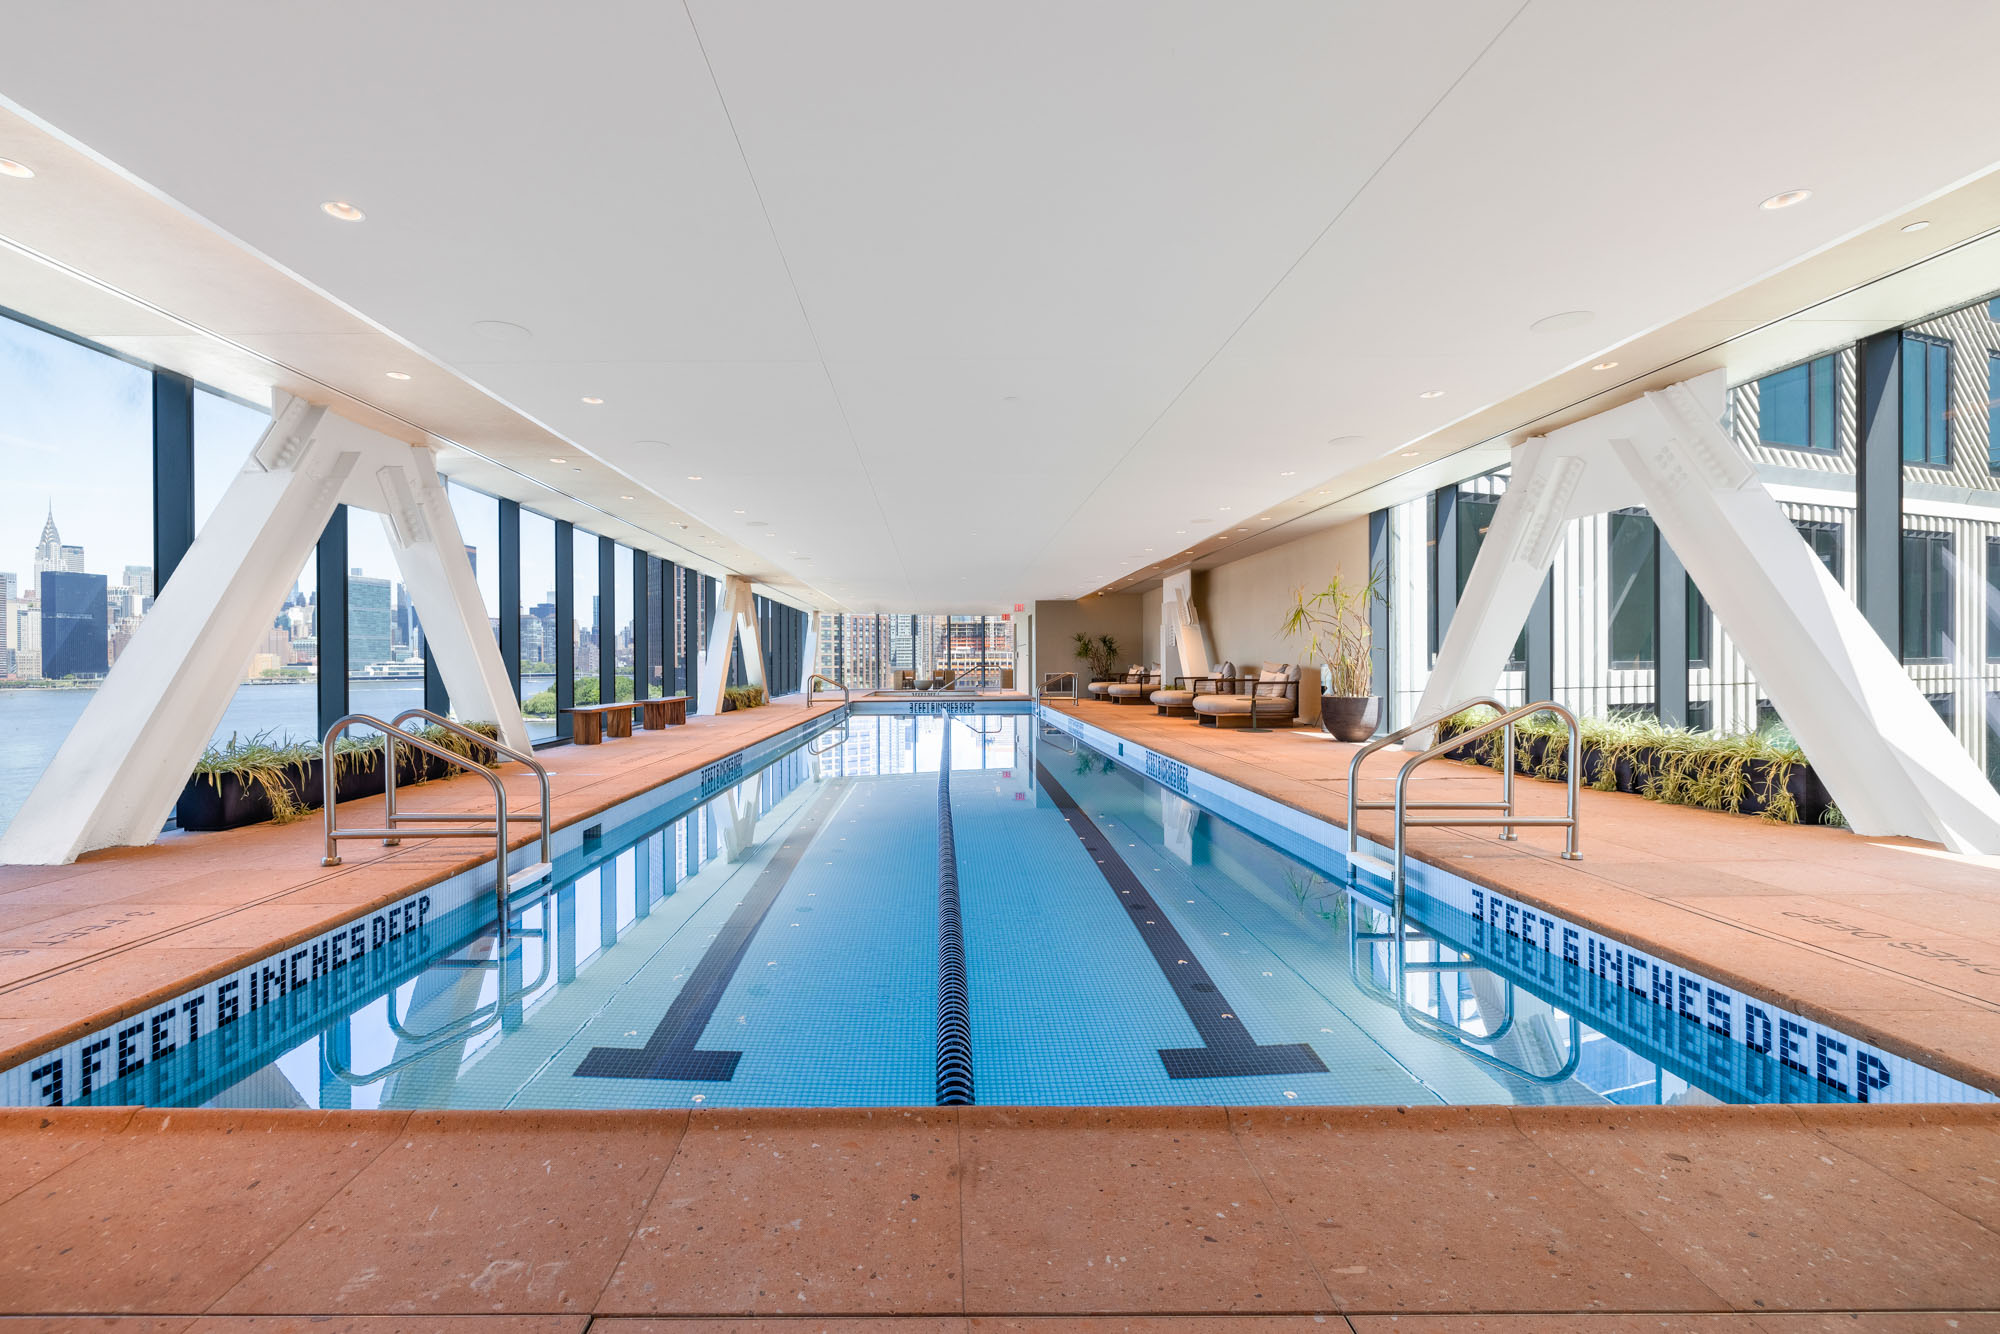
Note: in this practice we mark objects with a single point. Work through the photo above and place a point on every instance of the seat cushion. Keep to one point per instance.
(1099, 687)
(1127, 690)
(1173, 698)
(1234, 705)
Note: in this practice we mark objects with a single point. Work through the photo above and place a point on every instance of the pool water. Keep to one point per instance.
(778, 944)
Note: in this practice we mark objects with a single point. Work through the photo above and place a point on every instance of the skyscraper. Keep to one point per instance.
(75, 625)
(370, 626)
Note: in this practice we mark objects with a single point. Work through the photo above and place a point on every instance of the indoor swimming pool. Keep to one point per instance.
(777, 935)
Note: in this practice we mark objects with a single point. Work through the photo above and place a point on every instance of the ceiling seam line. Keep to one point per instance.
(791, 279)
(1312, 245)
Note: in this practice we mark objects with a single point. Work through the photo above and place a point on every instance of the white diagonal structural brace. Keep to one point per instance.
(125, 761)
(1183, 649)
(1887, 759)
(735, 618)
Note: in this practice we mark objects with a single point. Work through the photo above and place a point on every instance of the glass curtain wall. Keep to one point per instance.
(585, 616)
(76, 537)
(620, 631)
(538, 624)
(279, 694)
(385, 661)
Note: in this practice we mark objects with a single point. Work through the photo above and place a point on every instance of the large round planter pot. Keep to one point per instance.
(1350, 717)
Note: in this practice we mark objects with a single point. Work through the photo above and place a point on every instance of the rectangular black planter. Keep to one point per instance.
(1634, 773)
(225, 803)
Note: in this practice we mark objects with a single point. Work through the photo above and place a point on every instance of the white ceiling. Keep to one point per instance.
(970, 304)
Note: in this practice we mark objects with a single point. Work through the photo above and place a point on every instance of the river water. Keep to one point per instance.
(33, 723)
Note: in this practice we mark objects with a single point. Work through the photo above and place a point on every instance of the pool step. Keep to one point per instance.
(1361, 861)
(528, 877)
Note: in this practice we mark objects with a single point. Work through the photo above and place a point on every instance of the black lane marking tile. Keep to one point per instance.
(670, 1053)
(1227, 1048)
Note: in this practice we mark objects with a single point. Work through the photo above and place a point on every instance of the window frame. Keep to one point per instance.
(1943, 633)
(1831, 362)
(1943, 463)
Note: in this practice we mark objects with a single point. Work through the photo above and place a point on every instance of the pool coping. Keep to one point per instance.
(177, 1010)
(1305, 833)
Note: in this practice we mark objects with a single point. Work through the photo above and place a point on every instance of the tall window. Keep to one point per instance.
(1926, 400)
(1634, 588)
(278, 695)
(76, 537)
(1697, 627)
(385, 653)
(1795, 407)
(585, 615)
(538, 623)
(478, 517)
(1927, 632)
(1993, 599)
(1824, 540)
(1992, 402)
(619, 624)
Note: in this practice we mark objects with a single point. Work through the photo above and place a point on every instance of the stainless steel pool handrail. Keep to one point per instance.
(1435, 1028)
(1354, 802)
(1075, 684)
(838, 735)
(494, 826)
(846, 697)
(1507, 820)
(392, 816)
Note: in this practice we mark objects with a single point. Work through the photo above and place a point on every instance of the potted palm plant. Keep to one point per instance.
(1334, 624)
(1101, 653)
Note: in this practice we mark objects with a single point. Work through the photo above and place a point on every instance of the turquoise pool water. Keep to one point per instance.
(777, 942)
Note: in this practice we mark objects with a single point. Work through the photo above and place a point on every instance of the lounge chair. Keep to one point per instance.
(1102, 689)
(1179, 701)
(942, 678)
(1272, 691)
(1134, 689)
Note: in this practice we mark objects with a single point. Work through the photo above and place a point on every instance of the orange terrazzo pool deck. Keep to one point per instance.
(1892, 940)
(1005, 1218)
(90, 943)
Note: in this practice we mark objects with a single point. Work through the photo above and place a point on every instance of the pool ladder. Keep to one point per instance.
(465, 824)
(813, 683)
(1506, 818)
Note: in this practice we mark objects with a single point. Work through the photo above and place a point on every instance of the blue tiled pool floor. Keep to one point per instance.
(777, 945)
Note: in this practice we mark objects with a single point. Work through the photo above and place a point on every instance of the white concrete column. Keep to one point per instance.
(124, 763)
(735, 621)
(1889, 762)
(430, 553)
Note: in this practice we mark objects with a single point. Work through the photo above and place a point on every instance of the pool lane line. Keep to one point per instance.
(1227, 1049)
(954, 1018)
(671, 1052)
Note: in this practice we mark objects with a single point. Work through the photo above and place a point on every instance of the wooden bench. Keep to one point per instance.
(661, 713)
(593, 722)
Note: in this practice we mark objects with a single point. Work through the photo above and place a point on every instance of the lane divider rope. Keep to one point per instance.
(954, 1023)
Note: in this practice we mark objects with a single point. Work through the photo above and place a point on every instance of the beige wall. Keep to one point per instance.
(1244, 602)
(1149, 629)
(1057, 624)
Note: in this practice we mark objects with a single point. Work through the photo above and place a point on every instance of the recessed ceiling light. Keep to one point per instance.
(1916, 226)
(576, 470)
(694, 477)
(592, 401)
(1242, 530)
(1562, 321)
(9, 167)
(1263, 518)
(1285, 474)
(1178, 532)
(628, 497)
(396, 375)
(1432, 393)
(1786, 198)
(558, 460)
(340, 208)
(1604, 365)
(736, 511)
(1411, 453)
(1223, 508)
(500, 331)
